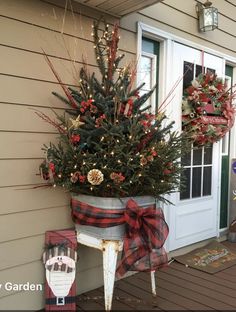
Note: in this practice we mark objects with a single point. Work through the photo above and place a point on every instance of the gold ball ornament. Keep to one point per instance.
(95, 177)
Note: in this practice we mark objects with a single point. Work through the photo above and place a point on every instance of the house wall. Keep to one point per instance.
(27, 28)
(26, 82)
(180, 18)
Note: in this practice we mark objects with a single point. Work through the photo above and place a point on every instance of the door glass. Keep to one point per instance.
(207, 181)
(185, 178)
(145, 72)
(197, 174)
(148, 72)
(208, 155)
(196, 185)
(210, 70)
(197, 156)
(186, 160)
(198, 70)
(188, 74)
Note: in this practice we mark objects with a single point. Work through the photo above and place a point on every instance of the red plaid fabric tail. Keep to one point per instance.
(145, 235)
(146, 232)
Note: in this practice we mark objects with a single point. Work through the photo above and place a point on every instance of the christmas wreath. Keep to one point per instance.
(207, 110)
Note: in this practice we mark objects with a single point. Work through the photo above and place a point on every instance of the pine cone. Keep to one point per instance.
(95, 177)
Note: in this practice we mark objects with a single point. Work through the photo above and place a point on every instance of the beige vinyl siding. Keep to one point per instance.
(24, 145)
(179, 18)
(28, 28)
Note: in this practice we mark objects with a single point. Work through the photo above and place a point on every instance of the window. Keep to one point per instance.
(148, 70)
(197, 174)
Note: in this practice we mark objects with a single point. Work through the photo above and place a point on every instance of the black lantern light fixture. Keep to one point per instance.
(207, 16)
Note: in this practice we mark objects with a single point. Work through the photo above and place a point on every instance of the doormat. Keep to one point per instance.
(211, 258)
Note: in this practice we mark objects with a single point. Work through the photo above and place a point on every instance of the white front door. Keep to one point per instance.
(195, 214)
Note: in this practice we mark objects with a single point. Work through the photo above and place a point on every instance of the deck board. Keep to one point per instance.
(215, 278)
(198, 286)
(179, 288)
(187, 297)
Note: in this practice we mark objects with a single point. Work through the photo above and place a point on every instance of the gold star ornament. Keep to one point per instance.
(76, 123)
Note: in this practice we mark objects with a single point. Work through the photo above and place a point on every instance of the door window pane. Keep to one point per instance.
(185, 188)
(188, 74)
(186, 159)
(148, 71)
(197, 156)
(207, 181)
(199, 70)
(145, 74)
(197, 174)
(149, 46)
(196, 183)
(211, 71)
(208, 155)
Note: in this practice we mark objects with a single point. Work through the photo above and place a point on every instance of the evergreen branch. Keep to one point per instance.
(60, 97)
(133, 92)
(98, 49)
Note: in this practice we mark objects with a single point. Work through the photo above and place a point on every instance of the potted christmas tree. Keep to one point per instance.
(111, 148)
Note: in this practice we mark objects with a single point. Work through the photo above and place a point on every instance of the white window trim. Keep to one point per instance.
(165, 49)
(163, 35)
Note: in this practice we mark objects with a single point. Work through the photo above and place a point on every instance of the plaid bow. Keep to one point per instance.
(145, 233)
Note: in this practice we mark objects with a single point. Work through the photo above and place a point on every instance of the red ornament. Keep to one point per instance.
(82, 110)
(51, 166)
(82, 178)
(117, 177)
(75, 138)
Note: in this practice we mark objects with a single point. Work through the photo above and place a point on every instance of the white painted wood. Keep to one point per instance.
(164, 35)
(89, 240)
(110, 249)
(94, 242)
(153, 283)
(196, 219)
(170, 71)
(110, 252)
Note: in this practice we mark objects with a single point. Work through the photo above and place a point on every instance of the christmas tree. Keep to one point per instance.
(110, 145)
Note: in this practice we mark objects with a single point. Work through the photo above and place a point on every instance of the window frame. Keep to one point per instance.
(153, 79)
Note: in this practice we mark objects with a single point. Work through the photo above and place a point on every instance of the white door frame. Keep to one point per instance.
(166, 52)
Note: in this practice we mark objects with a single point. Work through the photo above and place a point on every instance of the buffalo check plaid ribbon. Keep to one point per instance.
(145, 233)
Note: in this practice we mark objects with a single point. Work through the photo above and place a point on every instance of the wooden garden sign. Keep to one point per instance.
(60, 258)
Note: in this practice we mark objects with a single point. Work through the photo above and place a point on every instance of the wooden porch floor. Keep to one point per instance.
(179, 288)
